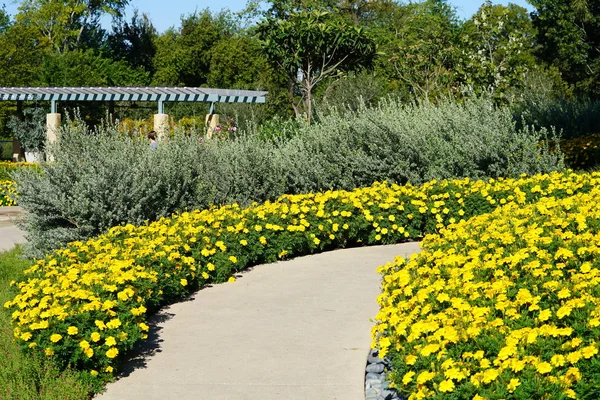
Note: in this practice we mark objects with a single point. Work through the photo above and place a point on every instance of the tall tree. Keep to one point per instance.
(497, 46)
(183, 55)
(424, 47)
(66, 24)
(134, 41)
(569, 34)
(311, 45)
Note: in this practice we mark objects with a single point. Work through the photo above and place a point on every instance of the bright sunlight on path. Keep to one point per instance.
(297, 329)
(9, 233)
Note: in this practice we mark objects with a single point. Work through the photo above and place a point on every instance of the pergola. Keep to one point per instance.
(159, 95)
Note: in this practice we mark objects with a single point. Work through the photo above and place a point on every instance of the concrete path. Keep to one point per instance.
(297, 329)
(9, 233)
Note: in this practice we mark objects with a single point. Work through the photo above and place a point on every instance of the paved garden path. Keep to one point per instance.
(9, 233)
(291, 330)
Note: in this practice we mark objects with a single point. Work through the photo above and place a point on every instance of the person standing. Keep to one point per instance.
(152, 139)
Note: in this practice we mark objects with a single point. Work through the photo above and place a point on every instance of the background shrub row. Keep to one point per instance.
(87, 303)
(503, 306)
(103, 179)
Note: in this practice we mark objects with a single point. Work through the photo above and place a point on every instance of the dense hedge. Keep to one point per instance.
(103, 179)
(503, 306)
(87, 303)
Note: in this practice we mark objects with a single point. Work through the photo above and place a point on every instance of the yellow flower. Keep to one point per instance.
(543, 367)
(407, 378)
(49, 351)
(446, 386)
(564, 293)
(94, 372)
(89, 352)
(574, 357)
(244, 242)
(112, 352)
(425, 376)
(564, 311)
(231, 279)
(55, 338)
(26, 336)
(233, 259)
(183, 282)
(72, 330)
(95, 337)
(589, 351)
(558, 360)
(84, 344)
(143, 327)
(410, 360)
(210, 266)
(490, 375)
(512, 385)
(205, 275)
(110, 341)
(109, 369)
(545, 315)
(113, 323)
(262, 240)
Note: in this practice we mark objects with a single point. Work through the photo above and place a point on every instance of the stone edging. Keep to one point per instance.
(377, 386)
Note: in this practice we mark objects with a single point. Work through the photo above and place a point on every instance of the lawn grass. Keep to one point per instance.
(24, 376)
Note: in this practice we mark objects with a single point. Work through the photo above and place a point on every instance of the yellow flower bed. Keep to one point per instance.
(7, 188)
(87, 304)
(503, 306)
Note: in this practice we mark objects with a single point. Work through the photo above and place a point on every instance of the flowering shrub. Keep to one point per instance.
(87, 303)
(7, 193)
(582, 152)
(503, 306)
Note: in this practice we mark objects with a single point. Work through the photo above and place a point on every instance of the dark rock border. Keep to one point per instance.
(377, 386)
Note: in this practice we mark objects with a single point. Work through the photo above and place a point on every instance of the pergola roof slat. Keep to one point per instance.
(162, 94)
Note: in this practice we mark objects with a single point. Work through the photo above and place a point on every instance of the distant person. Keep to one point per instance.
(152, 139)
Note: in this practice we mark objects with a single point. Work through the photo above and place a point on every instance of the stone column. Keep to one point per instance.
(161, 126)
(212, 120)
(53, 121)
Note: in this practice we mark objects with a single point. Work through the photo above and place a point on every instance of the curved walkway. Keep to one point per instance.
(298, 329)
(10, 235)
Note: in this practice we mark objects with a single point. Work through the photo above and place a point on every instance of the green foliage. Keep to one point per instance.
(88, 68)
(424, 48)
(7, 168)
(134, 42)
(569, 34)
(497, 45)
(105, 179)
(351, 92)
(183, 55)
(22, 376)
(31, 130)
(67, 25)
(310, 46)
(102, 179)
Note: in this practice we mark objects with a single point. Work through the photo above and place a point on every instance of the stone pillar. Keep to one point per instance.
(161, 126)
(53, 121)
(212, 120)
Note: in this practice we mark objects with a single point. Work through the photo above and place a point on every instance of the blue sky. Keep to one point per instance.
(166, 13)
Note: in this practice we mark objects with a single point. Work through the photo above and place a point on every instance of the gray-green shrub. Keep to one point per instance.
(105, 178)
